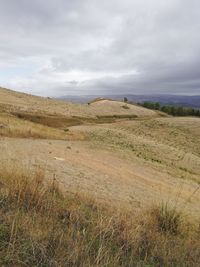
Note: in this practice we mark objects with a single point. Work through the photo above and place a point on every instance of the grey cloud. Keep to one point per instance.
(123, 46)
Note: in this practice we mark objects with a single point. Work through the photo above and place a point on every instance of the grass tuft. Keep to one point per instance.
(168, 219)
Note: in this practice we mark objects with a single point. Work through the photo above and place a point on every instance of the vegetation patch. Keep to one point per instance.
(172, 110)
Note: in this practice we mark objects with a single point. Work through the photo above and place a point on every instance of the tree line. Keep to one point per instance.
(171, 110)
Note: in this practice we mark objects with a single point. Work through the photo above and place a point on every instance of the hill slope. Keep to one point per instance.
(126, 160)
(15, 101)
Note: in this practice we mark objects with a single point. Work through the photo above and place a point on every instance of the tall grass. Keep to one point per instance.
(41, 226)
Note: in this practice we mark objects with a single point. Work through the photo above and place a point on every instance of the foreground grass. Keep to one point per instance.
(40, 226)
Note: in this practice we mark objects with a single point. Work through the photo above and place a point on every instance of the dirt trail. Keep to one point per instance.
(104, 174)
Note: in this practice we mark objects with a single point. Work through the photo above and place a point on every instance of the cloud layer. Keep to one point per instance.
(60, 47)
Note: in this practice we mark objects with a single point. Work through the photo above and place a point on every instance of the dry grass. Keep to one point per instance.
(168, 219)
(11, 126)
(58, 121)
(43, 126)
(40, 226)
(55, 121)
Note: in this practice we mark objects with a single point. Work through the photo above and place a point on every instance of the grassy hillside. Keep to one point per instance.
(105, 184)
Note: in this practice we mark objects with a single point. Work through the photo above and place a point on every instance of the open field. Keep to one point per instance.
(126, 159)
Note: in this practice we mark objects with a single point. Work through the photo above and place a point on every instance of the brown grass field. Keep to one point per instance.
(115, 186)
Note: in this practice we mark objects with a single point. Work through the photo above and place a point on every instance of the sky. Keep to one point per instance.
(78, 47)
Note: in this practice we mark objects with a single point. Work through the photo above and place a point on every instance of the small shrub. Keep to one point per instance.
(125, 107)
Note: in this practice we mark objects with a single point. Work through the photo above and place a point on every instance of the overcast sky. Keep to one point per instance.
(73, 47)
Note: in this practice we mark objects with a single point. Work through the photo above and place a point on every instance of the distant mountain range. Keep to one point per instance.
(177, 100)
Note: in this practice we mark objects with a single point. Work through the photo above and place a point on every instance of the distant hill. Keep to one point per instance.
(13, 101)
(183, 100)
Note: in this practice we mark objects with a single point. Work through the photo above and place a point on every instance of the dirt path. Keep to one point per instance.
(101, 173)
